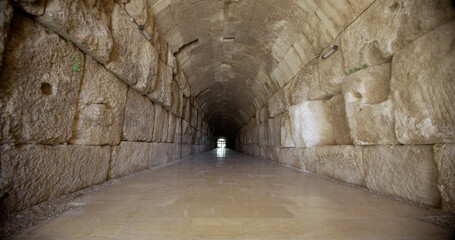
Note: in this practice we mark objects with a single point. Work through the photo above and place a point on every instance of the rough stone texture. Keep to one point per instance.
(139, 117)
(6, 13)
(307, 85)
(101, 106)
(186, 150)
(408, 172)
(32, 7)
(278, 103)
(163, 89)
(331, 73)
(310, 125)
(336, 116)
(186, 132)
(288, 156)
(341, 162)
(444, 156)
(171, 129)
(134, 59)
(85, 23)
(369, 107)
(424, 94)
(160, 154)
(286, 138)
(161, 124)
(38, 87)
(41, 172)
(129, 157)
(137, 9)
(388, 26)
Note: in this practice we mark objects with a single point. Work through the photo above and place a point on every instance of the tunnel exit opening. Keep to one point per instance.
(221, 143)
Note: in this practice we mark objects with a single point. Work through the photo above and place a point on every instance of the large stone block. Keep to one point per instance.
(138, 10)
(160, 128)
(341, 162)
(336, 115)
(408, 172)
(101, 106)
(82, 22)
(36, 173)
(279, 102)
(134, 59)
(38, 87)
(6, 13)
(369, 108)
(306, 85)
(186, 150)
(178, 131)
(139, 117)
(162, 94)
(286, 138)
(161, 154)
(444, 156)
(331, 73)
(423, 93)
(388, 26)
(32, 7)
(171, 128)
(129, 157)
(289, 156)
(262, 129)
(310, 125)
(186, 132)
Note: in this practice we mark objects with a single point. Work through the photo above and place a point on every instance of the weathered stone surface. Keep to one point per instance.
(139, 117)
(171, 129)
(178, 131)
(444, 156)
(341, 162)
(38, 87)
(176, 152)
(32, 7)
(101, 106)
(289, 156)
(137, 9)
(129, 157)
(388, 26)
(310, 125)
(331, 73)
(336, 116)
(186, 132)
(286, 138)
(194, 117)
(134, 59)
(262, 128)
(186, 150)
(424, 94)
(160, 154)
(278, 103)
(369, 108)
(161, 125)
(6, 13)
(85, 23)
(42, 172)
(163, 89)
(306, 85)
(408, 172)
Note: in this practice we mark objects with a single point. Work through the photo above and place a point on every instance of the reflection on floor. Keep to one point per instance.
(227, 195)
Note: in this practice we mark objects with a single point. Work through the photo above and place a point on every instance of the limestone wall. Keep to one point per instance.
(85, 97)
(379, 113)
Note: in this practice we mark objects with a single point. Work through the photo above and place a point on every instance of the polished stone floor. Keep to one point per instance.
(217, 195)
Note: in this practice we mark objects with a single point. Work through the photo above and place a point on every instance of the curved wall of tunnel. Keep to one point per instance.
(93, 91)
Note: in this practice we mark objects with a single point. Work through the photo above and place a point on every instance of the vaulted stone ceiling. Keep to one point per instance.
(237, 53)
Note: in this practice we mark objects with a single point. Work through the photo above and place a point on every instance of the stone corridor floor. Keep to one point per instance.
(234, 196)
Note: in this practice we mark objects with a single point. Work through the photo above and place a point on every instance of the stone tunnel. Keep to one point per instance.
(358, 94)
